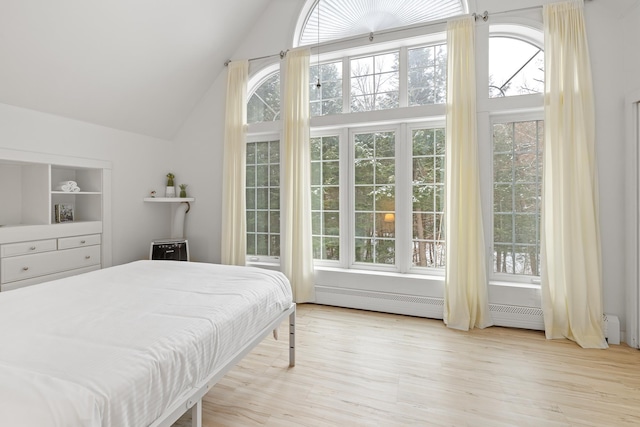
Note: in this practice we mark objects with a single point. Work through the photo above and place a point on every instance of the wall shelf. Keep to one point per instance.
(178, 212)
(169, 199)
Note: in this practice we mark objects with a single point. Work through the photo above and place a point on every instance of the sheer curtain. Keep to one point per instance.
(234, 240)
(466, 300)
(296, 255)
(570, 240)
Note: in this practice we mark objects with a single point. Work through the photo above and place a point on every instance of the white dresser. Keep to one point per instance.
(28, 263)
(34, 247)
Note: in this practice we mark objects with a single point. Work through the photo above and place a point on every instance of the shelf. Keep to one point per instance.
(169, 199)
(75, 192)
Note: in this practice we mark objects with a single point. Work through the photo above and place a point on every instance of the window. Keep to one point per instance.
(264, 103)
(516, 67)
(325, 197)
(263, 198)
(517, 191)
(378, 155)
(326, 99)
(428, 197)
(427, 71)
(341, 19)
(375, 82)
(374, 189)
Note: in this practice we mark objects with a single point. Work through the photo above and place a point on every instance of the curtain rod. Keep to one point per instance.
(484, 16)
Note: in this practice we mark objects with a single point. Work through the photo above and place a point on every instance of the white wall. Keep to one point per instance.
(139, 165)
(201, 138)
(604, 32)
(608, 25)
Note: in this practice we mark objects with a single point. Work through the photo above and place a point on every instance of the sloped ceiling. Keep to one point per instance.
(134, 65)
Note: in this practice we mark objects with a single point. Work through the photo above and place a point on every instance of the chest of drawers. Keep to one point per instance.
(32, 262)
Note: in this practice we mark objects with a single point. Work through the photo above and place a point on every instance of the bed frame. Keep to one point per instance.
(193, 398)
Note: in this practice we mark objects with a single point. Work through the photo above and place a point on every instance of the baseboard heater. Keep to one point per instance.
(512, 316)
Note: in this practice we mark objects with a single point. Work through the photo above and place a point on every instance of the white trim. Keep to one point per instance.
(632, 214)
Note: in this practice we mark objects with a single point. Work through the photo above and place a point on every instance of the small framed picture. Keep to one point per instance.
(63, 212)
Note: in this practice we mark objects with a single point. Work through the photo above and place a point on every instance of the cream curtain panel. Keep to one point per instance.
(466, 302)
(234, 240)
(296, 255)
(570, 238)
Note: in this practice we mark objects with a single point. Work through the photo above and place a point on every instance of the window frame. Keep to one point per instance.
(514, 108)
(266, 137)
(503, 118)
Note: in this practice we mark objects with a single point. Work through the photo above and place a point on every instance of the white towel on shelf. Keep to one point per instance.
(68, 186)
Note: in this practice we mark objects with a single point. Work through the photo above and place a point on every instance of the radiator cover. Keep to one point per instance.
(431, 307)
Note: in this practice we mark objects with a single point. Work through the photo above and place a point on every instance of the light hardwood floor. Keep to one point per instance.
(358, 368)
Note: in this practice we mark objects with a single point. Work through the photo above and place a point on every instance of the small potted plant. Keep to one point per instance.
(171, 189)
(183, 190)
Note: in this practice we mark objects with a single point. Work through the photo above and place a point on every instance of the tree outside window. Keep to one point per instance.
(375, 82)
(428, 198)
(374, 213)
(517, 193)
(325, 197)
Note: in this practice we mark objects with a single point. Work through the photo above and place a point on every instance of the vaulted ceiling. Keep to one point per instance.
(135, 65)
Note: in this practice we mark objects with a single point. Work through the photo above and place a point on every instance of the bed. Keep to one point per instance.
(133, 345)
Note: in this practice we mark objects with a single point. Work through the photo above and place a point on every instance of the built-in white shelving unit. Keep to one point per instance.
(33, 247)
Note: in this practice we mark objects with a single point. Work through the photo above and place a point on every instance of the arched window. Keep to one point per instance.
(516, 61)
(516, 67)
(264, 100)
(341, 19)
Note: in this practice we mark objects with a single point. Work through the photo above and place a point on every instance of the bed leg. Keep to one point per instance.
(196, 414)
(292, 338)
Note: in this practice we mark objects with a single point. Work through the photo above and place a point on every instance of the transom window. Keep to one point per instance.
(427, 70)
(328, 98)
(326, 20)
(516, 67)
(375, 82)
(264, 103)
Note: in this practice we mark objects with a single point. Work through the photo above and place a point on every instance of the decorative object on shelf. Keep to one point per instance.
(183, 190)
(63, 212)
(68, 187)
(153, 193)
(171, 189)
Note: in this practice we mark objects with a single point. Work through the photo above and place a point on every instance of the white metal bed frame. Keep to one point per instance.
(193, 398)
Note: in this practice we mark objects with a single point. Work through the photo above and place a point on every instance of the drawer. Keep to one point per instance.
(43, 279)
(78, 241)
(28, 266)
(24, 248)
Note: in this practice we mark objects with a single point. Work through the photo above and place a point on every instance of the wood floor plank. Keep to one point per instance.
(361, 368)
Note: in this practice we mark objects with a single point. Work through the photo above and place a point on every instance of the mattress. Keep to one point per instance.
(116, 347)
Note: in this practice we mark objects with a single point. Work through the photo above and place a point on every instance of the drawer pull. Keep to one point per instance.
(32, 248)
(87, 257)
(82, 242)
(25, 268)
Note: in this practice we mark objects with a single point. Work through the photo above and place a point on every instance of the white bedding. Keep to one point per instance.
(116, 347)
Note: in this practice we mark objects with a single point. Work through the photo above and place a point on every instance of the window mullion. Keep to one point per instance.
(403, 77)
(346, 199)
(346, 85)
(403, 213)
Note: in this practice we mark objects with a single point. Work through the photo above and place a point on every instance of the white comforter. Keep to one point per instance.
(116, 347)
